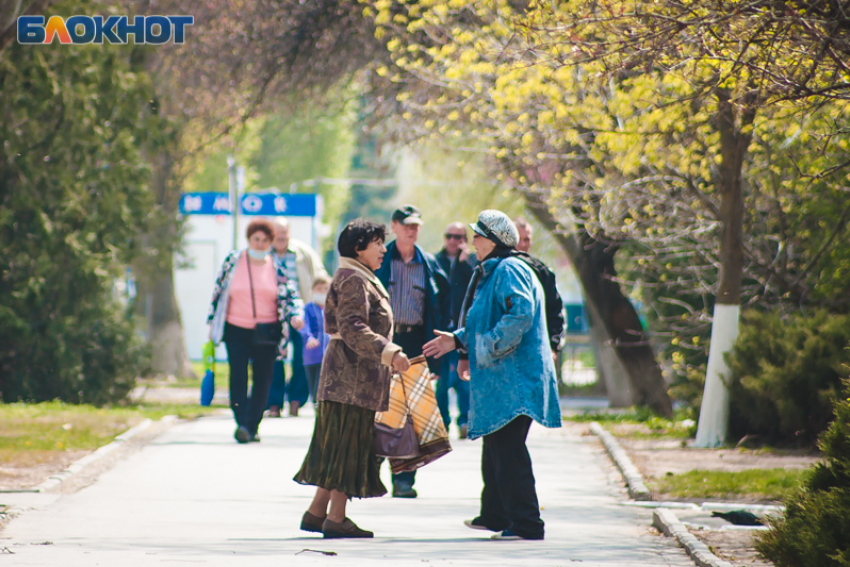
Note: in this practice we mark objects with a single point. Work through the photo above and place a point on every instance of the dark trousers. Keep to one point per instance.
(509, 498)
(248, 409)
(411, 344)
(313, 372)
(297, 389)
(449, 379)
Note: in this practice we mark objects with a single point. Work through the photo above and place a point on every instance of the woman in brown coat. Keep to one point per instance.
(354, 384)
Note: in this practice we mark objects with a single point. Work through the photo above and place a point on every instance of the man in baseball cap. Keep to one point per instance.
(407, 214)
(419, 295)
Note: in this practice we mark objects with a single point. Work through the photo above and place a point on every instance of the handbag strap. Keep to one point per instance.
(251, 281)
(404, 392)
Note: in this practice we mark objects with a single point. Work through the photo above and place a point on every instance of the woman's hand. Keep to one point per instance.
(463, 369)
(445, 342)
(297, 323)
(400, 362)
(312, 342)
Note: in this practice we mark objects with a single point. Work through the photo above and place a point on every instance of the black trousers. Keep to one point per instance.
(248, 410)
(314, 372)
(411, 344)
(509, 498)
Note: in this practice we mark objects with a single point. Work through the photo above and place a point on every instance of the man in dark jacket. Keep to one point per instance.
(419, 295)
(458, 264)
(554, 305)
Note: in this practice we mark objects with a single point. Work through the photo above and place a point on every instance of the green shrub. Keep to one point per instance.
(92, 358)
(815, 530)
(74, 204)
(785, 373)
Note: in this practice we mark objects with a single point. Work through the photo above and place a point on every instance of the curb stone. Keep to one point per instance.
(77, 466)
(634, 482)
(667, 523)
(663, 519)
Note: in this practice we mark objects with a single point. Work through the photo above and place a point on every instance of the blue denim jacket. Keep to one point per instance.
(510, 360)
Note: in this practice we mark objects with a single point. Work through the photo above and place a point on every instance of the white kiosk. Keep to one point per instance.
(210, 237)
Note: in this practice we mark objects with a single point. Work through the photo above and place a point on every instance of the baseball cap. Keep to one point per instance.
(407, 214)
(496, 226)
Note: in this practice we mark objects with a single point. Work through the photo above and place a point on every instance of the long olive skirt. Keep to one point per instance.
(342, 453)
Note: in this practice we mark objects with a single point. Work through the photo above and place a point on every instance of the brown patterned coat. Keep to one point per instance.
(356, 368)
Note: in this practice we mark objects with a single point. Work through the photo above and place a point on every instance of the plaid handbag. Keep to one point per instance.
(427, 421)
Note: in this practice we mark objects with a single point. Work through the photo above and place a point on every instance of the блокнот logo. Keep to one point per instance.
(155, 30)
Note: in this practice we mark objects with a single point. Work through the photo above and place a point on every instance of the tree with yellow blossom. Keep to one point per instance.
(628, 140)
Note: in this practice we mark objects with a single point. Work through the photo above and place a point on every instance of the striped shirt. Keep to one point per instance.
(407, 291)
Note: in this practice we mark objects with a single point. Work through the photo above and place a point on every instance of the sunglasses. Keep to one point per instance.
(454, 236)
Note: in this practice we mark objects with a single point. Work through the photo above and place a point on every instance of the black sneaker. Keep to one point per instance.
(511, 535)
(242, 435)
(506, 535)
(477, 524)
(254, 438)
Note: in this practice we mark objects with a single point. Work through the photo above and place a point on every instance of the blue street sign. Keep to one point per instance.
(271, 204)
(205, 204)
(257, 204)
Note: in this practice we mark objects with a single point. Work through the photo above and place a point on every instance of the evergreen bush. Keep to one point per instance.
(785, 373)
(73, 206)
(815, 530)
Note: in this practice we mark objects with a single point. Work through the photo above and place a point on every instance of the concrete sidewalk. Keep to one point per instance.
(195, 496)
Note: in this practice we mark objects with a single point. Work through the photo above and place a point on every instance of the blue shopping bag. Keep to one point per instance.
(208, 383)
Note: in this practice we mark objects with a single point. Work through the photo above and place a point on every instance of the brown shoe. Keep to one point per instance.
(311, 523)
(293, 408)
(346, 528)
(274, 411)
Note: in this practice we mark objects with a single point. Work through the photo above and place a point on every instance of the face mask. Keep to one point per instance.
(258, 254)
(320, 298)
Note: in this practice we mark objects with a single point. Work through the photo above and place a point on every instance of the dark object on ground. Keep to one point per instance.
(330, 553)
(739, 518)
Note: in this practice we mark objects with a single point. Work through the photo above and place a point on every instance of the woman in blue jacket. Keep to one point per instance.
(512, 376)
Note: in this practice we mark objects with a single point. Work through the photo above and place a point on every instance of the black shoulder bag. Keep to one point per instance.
(265, 334)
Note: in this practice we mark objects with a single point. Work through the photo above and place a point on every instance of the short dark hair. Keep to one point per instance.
(260, 225)
(357, 235)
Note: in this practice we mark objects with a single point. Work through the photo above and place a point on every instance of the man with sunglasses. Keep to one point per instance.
(458, 264)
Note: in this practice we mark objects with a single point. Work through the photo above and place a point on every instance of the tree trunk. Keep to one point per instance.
(610, 368)
(165, 329)
(735, 128)
(617, 322)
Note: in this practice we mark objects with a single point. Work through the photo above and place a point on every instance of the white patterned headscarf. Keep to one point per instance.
(498, 227)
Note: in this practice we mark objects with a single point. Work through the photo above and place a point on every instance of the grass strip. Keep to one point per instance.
(762, 484)
(34, 433)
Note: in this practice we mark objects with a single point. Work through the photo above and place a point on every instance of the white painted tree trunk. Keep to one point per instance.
(714, 412)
